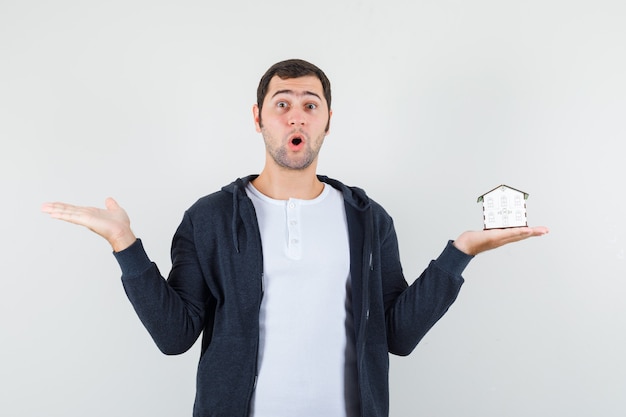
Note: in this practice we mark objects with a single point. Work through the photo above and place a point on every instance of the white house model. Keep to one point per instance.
(504, 207)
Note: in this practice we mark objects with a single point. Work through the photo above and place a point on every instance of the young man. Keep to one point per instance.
(294, 279)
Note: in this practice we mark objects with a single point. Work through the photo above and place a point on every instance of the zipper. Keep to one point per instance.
(367, 267)
(261, 295)
(256, 359)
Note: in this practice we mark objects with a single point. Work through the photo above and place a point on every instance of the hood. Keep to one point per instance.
(354, 196)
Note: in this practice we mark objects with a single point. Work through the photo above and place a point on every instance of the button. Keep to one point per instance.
(292, 205)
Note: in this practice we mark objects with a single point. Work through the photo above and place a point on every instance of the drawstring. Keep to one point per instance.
(235, 217)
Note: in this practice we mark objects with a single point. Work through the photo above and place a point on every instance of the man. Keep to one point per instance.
(293, 278)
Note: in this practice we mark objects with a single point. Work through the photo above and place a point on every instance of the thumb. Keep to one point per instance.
(111, 204)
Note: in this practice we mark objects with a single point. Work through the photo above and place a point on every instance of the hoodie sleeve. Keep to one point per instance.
(411, 311)
(172, 310)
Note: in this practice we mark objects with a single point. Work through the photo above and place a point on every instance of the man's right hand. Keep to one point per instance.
(112, 223)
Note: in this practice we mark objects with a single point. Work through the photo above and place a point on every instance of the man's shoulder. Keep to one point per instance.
(224, 199)
(216, 198)
(356, 196)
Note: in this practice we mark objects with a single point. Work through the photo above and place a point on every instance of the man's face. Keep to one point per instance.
(294, 121)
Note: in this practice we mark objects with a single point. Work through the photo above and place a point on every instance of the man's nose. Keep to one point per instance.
(297, 117)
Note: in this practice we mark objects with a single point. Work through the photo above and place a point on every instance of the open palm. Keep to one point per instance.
(112, 222)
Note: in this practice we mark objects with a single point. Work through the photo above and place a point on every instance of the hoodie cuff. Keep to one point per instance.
(133, 260)
(453, 260)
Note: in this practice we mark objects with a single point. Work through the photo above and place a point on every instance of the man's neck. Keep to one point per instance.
(282, 184)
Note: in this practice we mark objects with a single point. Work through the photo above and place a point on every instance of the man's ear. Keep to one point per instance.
(330, 115)
(257, 117)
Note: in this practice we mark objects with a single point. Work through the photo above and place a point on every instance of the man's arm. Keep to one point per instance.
(412, 311)
(172, 314)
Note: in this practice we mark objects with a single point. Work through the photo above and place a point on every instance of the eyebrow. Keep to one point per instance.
(291, 92)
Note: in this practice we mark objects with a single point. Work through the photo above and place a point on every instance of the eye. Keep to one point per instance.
(311, 106)
(282, 104)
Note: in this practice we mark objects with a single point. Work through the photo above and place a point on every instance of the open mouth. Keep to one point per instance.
(296, 141)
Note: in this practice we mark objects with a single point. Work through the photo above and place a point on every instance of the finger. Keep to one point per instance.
(111, 204)
(517, 234)
(521, 233)
(68, 212)
(540, 231)
(47, 207)
(55, 207)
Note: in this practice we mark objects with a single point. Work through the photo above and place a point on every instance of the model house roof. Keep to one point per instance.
(500, 186)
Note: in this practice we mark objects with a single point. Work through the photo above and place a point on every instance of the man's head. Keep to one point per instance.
(291, 68)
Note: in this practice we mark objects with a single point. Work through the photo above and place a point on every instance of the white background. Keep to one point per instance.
(435, 103)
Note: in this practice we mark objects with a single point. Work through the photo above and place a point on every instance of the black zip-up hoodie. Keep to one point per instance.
(215, 287)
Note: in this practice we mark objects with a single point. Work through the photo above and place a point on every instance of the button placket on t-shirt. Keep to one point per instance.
(294, 242)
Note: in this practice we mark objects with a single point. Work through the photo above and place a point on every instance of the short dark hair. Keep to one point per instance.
(291, 68)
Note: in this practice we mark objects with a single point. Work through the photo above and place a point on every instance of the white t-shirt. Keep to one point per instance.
(306, 359)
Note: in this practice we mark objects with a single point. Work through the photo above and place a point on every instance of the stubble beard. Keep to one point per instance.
(281, 154)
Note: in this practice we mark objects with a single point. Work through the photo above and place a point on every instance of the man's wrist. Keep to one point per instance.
(123, 242)
(461, 244)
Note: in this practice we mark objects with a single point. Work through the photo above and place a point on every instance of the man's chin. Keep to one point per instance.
(294, 165)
